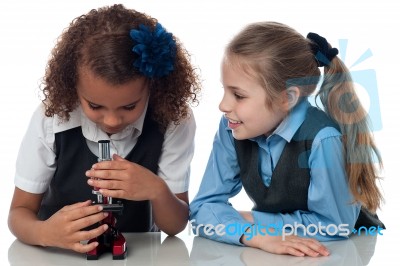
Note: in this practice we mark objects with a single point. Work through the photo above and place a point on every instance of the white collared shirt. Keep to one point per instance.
(36, 161)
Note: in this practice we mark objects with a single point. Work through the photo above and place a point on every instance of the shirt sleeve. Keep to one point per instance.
(211, 214)
(177, 153)
(332, 213)
(35, 163)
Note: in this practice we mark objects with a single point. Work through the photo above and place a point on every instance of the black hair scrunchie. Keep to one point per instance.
(322, 51)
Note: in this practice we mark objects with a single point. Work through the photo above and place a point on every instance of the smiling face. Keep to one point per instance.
(244, 104)
(111, 107)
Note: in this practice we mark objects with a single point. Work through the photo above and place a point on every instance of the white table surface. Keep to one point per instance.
(186, 249)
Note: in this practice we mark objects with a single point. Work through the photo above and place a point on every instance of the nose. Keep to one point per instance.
(112, 120)
(224, 105)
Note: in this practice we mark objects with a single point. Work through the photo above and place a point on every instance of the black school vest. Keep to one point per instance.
(288, 190)
(69, 184)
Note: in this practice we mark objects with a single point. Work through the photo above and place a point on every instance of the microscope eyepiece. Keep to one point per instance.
(104, 150)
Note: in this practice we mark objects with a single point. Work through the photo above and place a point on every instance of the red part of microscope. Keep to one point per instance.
(111, 240)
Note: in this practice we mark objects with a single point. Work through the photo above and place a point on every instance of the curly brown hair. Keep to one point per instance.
(100, 40)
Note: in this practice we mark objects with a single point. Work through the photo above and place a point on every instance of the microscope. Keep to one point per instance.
(111, 240)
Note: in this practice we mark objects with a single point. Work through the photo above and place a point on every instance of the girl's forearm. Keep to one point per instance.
(25, 226)
(170, 211)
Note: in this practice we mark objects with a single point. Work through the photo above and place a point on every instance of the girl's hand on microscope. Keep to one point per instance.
(64, 228)
(123, 179)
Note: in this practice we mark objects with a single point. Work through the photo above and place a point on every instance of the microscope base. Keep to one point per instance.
(117, 246)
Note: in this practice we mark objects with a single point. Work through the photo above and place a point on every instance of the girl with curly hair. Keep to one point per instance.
(115, 74)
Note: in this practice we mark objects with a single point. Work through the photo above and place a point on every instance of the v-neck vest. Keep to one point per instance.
(69, 184)
(288, 190)
(290, 181)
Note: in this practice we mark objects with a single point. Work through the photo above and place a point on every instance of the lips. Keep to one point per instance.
(233, 124)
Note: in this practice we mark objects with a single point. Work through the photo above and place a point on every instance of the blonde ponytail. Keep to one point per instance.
(342, 104)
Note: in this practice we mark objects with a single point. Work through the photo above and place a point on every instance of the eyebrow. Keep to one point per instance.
(236, 89)
(233, 88)
(133, 103)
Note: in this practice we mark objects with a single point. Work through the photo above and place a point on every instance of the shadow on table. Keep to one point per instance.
(143, 249)
(355, 251)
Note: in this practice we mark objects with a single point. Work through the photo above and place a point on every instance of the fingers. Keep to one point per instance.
(115, 193)
(115, 174)
(65, 227)
(293, 251)
(119, 164)
(108, 188)
(76, 205)
(302, 246)
(101, 174)
(84, 248)
(109, 183)
(318, 247)
(92, 234)
(78, 219)
(88, 221)
(78, 213)
(299, 249)
(116, 157)
(105, 184)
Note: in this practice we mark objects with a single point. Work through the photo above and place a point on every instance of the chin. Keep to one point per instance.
(240, 136)
(243, 135)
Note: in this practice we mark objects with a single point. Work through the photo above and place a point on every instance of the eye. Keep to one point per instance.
(238, 96)
(93, 106)
(130, 107)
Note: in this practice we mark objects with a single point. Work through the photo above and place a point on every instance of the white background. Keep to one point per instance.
(28, 31)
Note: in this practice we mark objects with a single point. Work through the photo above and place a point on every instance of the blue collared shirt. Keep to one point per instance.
(330, 201)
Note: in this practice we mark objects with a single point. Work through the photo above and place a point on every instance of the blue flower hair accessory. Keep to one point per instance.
(156, 50)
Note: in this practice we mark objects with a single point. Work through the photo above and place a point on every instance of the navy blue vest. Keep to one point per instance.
(69, 184)
(288, 190)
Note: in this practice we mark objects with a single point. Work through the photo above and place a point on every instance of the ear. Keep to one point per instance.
(291, 97)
